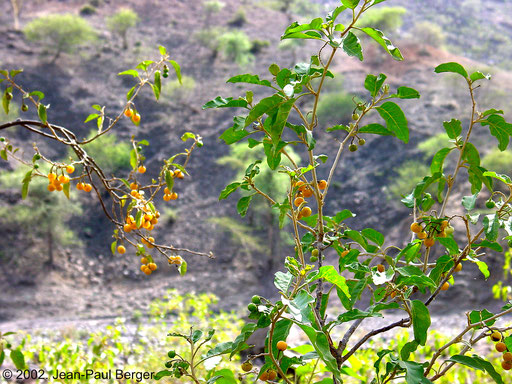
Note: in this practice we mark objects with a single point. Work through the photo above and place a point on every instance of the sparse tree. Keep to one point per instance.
(121, 22)
(60, 33)
(16, 10)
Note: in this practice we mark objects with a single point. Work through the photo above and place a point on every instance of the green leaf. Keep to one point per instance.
(438, 160)
(276, 129)
(406, 93)
(2, 356)
(65, 189)
(329, 273)
(453, 68)
(477, 178)
(299, 307)
(500, 129)
(443, 264)
(376, 129)
(471, 154)
(414, 372)
(283, 281)
(453, 128)
(420, 321)
(157, 85)
(265, 106)
(41, 111)
(162, 50)
(5, 103)
(395, 120)
(3, 154)
(350, 3)
(183, 268)
(488, 244)
(92, 116)
(18, 359)
(373, 83)
(343, 215)
(224, 376)
(130, 72)
(491, 226)
(450, 244)
(243, 205)
(133, 159)
(220, 102)
(239, 343)
(169, 180)
(384, 42)
(130, 93)
(220, 349)
(229, 190)
(315, 24)
(25, 184)
(479, 76)
(352, 46)
(408, 348)
(177, 69)
(503, 178)
(479, 316)
(373, 235)
(196, 335)
(476, 362)
(161, 374)
(410, 252)
(468, 202)
(250, 79)
(38, 94)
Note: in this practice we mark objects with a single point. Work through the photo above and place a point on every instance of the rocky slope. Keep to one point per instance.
(90, 281)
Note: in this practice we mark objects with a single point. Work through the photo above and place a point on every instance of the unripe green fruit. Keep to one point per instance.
(355, 116)
(510, 243)
(352, 147)
(252, 307)
(2, 139)
(361, 107)
(171, 354)
(448, 230)
(490, 204)
(168, 364)
(8, 346)
(256, 299)
(8, 96)
(315, 252)
(313, 259)
(24, 107)
(362, 142)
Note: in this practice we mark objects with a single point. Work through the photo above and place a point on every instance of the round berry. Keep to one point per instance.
(352, 147)
(121, 249)
(281, 345)
(247, 366)
(171, 354)
(429, 242)
(362, 142)
(416, 228)
(458, 268)
(168, 364)
(252, 307)
(142, 169)
(490, 204)
(256, 299)
(381, 268)
(496, 336)
(501, 347)
(445, 286)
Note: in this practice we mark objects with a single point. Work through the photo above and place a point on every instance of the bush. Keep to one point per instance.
(87, 10)
(498, 161)
(236, 46)
(409, 174)
(335, 108)
(110, 154)
(213, 6)
(433, 144)
(121, 22)
(257, 46)
(428, 33)
(175, 90)
(60, 33)
(238, 20)
(386, 19)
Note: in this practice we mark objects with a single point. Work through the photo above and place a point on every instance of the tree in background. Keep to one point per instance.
(387, 19)
(236, 46)
(121, 22)
(43, 215)
(60, 33)
(16, 10)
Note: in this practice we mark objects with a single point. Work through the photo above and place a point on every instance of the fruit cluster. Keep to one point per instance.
(268, 374)
(501, 347)
(430, 230)
(147, 266)
(168, 193)
(176, 260)
(305, 191)
(132, 114)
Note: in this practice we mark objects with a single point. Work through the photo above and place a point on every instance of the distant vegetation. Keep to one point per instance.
(121, 22)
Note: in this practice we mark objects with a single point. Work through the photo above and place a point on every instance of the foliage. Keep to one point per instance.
(12, 115)
(121, 22)
(176, 90)
(386, 18)
(428, 33)
(258, 46)
(433, 144)
(213, 6)
(500, 162)
(408, 175)
(241, 235)
(304, 8)
(238, 19)
(236, 46)
(87, 10)
(335, 107)
(60, 33)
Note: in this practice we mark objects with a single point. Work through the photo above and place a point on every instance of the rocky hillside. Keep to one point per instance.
(88, 280)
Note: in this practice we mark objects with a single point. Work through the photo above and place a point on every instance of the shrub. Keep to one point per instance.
(87, 10)
(110, 153)
(121, 22)
(498, 161)
(429, 33)
(176, 91)
(213, 6)
(96, 3)
(238, 19)
(386, 18)
(236, 46)
(257, 46)
(409, 174)
(60, 33)
(430, 146)
(335, 108)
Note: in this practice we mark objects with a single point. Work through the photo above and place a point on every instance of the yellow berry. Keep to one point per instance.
(445, 286)
(51, 187)
(173, 196)
(142, 169)
(144, 260)
(416, 228)
(496, 336)
(52, 176)
(121, 249)
(281, 345)
(70, 169)
(305, 212)
(152, 266)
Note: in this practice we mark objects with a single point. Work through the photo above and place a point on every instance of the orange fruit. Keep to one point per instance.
(62, 179)
(144, 260)
(121, 249)
(308, 192)
(305, 212)
(501, 347)
(345, 253)
(143, 267)
(322, 184)
(393, 294)
(416, 228)
(87, 187)
(127, 228)
(179, 174)
(51, 187)
(142, 169)
(167, 197)
(422, 235)
(458, 268)
(429, 242)
(133, 186)
(264, 376)
(136, 118)
(59, 187)
(281, 345)
(80, 186)
(445, 286)
(52, 176)
(174, 196)
(166, 191)
(247, 366)
(444, 224)
(298, 201)
(272, 375)
(506, 365)
(152, 266)
(381, 268)
(70, 169)
(147, 271)
(128, 112)
(507, 356)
